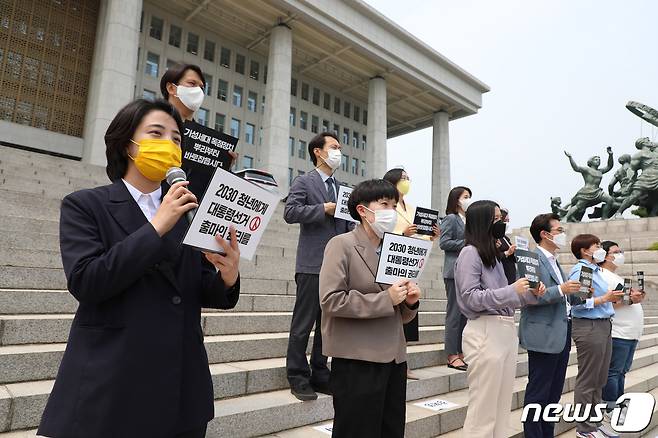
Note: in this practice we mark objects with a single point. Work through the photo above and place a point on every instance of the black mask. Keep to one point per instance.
(499, 229)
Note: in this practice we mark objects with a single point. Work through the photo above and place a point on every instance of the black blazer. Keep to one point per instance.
(135, 364)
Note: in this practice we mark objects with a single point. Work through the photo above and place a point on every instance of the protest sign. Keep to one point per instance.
(436, 404)
(586, 281)
(640, 280)
(527, 265)
(626, 299)
(402, 258)
(231, 200)
(204, 149)
(342, 212)
(325, 428)
(521, 243)
(425, 219)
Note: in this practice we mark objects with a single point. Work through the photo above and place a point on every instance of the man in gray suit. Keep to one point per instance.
(545, 328)
(312, 203)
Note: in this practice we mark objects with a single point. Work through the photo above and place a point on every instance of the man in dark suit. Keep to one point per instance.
(545, 328)
(311, 203)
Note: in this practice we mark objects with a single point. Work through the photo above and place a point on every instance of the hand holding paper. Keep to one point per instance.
(411, 230)
(413, 293)
(570, 287)
(521, 286)
(540, 290)
(228, 264)
(398, 291)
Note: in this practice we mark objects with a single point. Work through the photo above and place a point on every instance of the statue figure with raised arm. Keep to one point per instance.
(644, 189)
(591, 194)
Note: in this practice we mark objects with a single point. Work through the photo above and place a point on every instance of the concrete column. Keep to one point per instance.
(376, 164)
(112, 83)
(276, 128)
(440, 161)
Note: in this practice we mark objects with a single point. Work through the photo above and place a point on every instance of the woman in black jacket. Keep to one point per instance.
(135, 364)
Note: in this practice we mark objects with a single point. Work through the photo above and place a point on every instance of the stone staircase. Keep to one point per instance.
(246, 346)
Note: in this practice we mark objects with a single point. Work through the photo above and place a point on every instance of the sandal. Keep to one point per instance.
(463, 367)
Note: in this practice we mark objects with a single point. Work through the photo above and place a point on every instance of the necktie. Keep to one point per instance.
(331, 190)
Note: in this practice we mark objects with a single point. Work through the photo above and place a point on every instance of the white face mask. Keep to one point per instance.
(560, 240)
(334, 158)
(618, 259)
(191, 97)
(385, 221)
(465, 203)
(599, 255)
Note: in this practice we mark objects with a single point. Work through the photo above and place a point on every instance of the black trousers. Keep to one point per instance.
(546, 373)
(304, 315)
(411, 330)
(369, 398)
(195, 433)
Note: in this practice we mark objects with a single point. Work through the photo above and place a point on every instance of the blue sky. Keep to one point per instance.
(560, 74)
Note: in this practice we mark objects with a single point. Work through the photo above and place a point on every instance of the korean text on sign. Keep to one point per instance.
(230, 200)
(342, 212)
(402, 258)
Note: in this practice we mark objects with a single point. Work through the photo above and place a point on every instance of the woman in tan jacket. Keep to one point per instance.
(362, 321)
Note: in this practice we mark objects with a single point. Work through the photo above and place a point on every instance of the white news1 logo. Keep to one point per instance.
(632, 413)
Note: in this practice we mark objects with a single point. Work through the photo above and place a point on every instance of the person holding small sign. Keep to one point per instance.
(183, 86)
(545, 328)
(311, 203)
(405, 226)
(362, 321)
(591, 328)
(627, 324)
(135, 363)
(490, 340)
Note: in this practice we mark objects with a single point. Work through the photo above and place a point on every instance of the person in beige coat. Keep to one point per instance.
(362, 321)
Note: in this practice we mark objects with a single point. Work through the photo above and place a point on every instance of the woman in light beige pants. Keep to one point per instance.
(490, 341)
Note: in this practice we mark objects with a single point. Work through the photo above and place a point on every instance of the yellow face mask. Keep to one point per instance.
(155, 157)
(404, 185)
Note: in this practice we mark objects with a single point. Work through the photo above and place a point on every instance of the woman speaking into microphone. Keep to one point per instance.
(135, 364)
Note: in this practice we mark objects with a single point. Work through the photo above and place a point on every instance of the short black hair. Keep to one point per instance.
(607, 244)
(479, 231)
(453, 198)
(122, 128)
(582, 241)
(369, 191)
(541, 223)
(394, 176)
(175, 73)
(318, 142)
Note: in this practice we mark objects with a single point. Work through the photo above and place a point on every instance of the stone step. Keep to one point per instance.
(422, 422)
(240, 379)
(19, 277)
(32, 174)
(40, 301)
(19, 363)
(54, 328)
(234, 379)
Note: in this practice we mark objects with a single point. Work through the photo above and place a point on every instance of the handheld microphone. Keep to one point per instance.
(174, 175)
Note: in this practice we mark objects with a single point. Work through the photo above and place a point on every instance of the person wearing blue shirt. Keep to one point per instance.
(591, 332)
